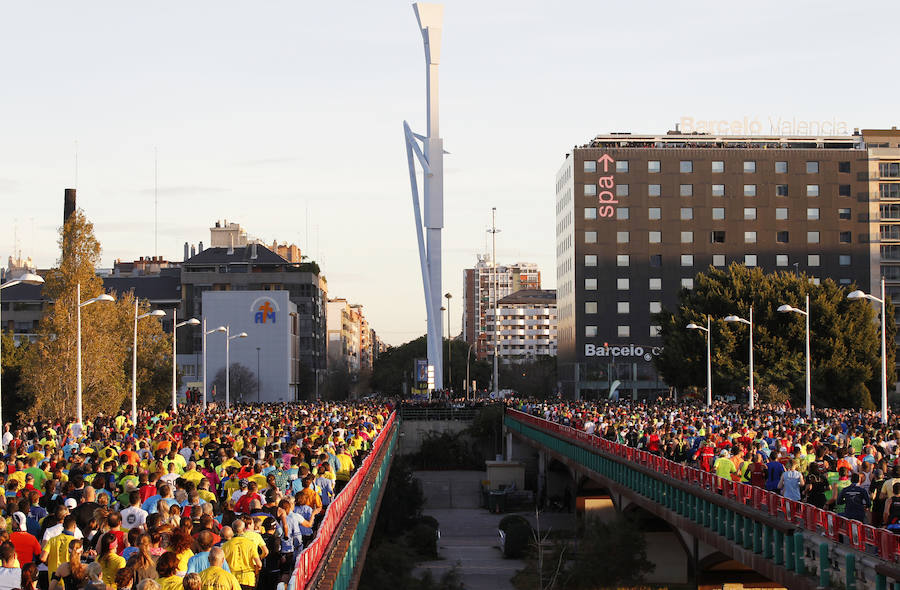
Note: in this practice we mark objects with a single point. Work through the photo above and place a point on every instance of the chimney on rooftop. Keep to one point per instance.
(200, 248)
(68, 204)
(253, 252)
(193, 250)
(186, 250)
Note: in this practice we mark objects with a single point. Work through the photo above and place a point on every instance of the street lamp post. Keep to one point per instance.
(205, 334)
(468, 356)
(155, 313)
(862, 295)
(78, 306)
(257, 374)
(791, 309)
(494, 231)
(693, 326)
(26, 279)
(228, 339)
(449, 296)
(175, 325)
(734, 318)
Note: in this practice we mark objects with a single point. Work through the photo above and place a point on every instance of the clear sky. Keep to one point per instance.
(262, 110)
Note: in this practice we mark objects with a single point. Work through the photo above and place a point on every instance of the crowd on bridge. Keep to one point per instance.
(202, 499)
(846, 461)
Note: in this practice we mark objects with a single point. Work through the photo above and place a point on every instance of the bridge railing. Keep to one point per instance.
(852, 533)
(310, 559)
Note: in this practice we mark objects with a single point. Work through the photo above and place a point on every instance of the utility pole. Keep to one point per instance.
(494, 231)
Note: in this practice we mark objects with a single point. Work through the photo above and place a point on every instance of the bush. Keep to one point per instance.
(518, 535)
(423, 540)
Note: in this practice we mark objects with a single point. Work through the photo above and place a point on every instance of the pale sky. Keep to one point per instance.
(259, 110)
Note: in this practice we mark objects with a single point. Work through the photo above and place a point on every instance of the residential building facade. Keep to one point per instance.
(526, 323)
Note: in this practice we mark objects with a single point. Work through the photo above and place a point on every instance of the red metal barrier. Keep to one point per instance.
(849, 532)
(309, 560)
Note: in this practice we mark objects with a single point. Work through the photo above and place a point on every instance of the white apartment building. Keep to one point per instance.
(526, 323)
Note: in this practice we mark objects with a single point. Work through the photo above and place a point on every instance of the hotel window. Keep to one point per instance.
(656, 260)
(621, 190)
(781, 260)
(749, 237)
(812, 214)
(749, 167)
(687, 213)
(687, 283)
(622, 260)
(718, 166)
(655, 284)
(622, 213)
(889, 169)
(812, 190)
(686, 190)
(781, 190)
(843, 213)
(590, 284)
(718, 213)
(782, 237)
(686, 166)
(623, 307)
(749, 213)
(781, 213)
(687, 260)
(844, 260)
(844, 237)
(590, 190)
(718, 190)
(653, 190)
(590, 237)
(653, 166)
(622, 166)
(812, 167)
(889, 190)
(590, 331)
(781, 168)
(655, 307)
(749, 259)
(843, 190)
(655, 330)
(749, 190)
(812, 237)
(815, 281)
(590, 260)
(844, 281)
(590, 213)
(623, 331)
(718, 260)
(590, 166)
(622, 284)
(655, 237)
(844, 167)
(717, 237)
(812, 260)
(590, 307)
(653, 213)
(687, 237)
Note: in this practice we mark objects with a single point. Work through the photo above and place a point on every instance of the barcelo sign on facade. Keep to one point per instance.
(607, 187)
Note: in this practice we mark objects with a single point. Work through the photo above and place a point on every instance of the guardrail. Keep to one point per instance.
(309, 560)
(465, 413)
(670, 481)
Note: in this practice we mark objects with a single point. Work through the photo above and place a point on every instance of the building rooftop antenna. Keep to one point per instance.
(155, 201)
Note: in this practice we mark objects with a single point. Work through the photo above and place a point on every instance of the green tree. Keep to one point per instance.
(395, 367)
(15, 396)
(611, 555)
(845, 339)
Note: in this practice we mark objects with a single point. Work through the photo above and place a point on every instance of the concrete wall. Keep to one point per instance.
(413, 432)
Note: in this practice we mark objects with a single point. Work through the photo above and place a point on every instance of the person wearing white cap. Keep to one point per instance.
(27, 546)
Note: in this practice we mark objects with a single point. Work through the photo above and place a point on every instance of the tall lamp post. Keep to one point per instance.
(175, 325)
(78, 306)
(693, 326)
(228, 339)
(257, 374)
(468, 356)
(734, 318)
(150, 314)
(494, 231)
(26, 279)
(205, 334)
(449, 296)
(862, 295)
(791, 309)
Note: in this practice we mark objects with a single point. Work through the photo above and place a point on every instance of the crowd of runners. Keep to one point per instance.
(841, 460)
(209, 500)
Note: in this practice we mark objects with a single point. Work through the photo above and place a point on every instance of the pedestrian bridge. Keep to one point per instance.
(790, 543)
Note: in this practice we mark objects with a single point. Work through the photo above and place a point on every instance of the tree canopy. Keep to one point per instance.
(845, 347)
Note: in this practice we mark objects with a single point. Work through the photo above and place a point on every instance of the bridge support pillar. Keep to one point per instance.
(541, 477)
(508, 445)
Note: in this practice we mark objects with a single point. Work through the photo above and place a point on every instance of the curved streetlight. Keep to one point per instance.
(228, 340)
(156, 313)
(449, 296)
(205, 334)
(175, 325)
(26, 279)
(78, 307)
(791, 309)
(693, 326)
(734, 318)
(859, 295)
